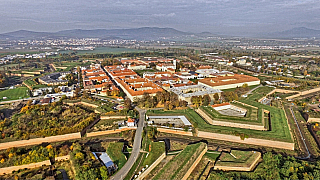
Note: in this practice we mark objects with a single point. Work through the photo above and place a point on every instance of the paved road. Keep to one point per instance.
(249, 92)
(101, 97)
(64, 174)
(122, 173)
(303, 139)
(18, 100)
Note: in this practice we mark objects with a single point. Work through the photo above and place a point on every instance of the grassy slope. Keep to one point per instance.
(243, 158)
(157, 149)
(115, 153)
(177, 167)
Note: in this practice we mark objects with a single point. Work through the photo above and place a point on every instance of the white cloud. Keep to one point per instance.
(164, 15)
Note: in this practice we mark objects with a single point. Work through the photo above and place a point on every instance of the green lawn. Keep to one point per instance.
(30, 82)
(14, 94)
(179, 165)
(212, 155)
(157, 149)
(115, 153)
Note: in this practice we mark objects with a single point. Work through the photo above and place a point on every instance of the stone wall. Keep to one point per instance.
(37, 141)
(8, 170)
(239, 168)
(88, 104)
(100, 133)
(173, 131)
(311, 120)
(304, 93)
(300, 93)
(230, 124)
(112, 117)
(235, 139)
(252, 141)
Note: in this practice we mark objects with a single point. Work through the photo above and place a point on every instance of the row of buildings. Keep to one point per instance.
(210, 81)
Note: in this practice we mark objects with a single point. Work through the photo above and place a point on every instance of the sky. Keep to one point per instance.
(230, 17)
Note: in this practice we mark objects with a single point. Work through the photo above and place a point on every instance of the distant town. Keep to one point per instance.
(171, 108)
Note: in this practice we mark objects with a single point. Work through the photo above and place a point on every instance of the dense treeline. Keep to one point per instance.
(19, 156)
(3, 80)
(85, 164)
(168, 99)
(46, 120)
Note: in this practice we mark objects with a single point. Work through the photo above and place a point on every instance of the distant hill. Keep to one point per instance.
(22, 34)
(300, 32)
(144, 33)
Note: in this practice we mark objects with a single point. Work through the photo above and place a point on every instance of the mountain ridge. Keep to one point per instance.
(143, 33)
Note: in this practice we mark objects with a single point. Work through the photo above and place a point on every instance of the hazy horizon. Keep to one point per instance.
(216, 16)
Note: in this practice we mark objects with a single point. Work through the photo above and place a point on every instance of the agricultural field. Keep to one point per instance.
(14, 94)
(46, 120)
(279, 126)
(180, 164)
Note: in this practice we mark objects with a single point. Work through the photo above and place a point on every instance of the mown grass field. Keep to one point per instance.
(14, 94)
(279, 126)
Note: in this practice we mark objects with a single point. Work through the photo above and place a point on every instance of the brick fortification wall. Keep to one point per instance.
(37, 141)
(235, 139)
(239, 168)
(252, 141)
(100, 133)
(229, 124)
(8, 170)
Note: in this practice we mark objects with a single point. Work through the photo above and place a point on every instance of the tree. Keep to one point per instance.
(206, 100)
(183, 103)
(103, 172)
(127, 103)
(79, 156)
(216, 96)
(77, 91)
(245, 85)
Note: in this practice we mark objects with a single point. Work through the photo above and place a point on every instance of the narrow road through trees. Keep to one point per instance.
(121, 174)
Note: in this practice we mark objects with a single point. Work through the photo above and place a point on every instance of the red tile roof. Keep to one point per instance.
(225, 80)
